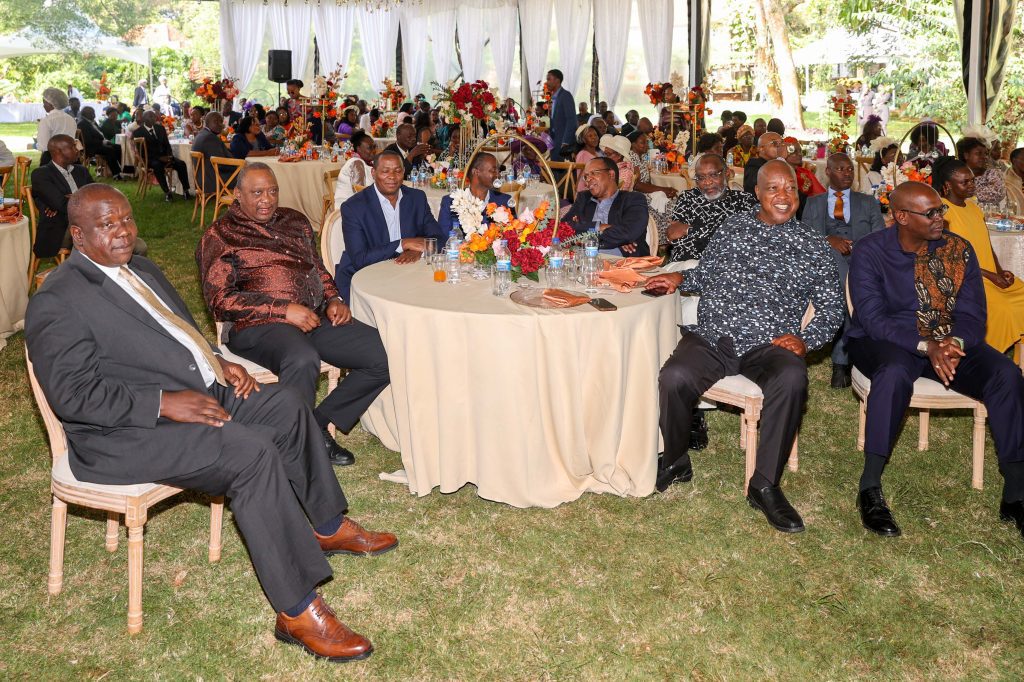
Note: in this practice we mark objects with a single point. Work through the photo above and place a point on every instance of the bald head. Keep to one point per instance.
(62, 149)
(919, 214)
(82, 204)
(773, 169)
(910, 195)
(214, 121)
(769, 146)
(102, 226)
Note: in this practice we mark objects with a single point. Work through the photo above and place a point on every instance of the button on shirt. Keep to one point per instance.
(391, 216)
(181, 337)
(755, 281)
(832, 203)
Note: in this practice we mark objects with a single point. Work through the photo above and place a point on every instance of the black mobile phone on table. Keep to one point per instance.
(603, 304)
(652, 293)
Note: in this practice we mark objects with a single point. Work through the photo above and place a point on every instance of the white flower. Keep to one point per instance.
(501, 215)
(469, 209)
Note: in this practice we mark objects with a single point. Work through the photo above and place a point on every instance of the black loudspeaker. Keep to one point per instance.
(279, 65)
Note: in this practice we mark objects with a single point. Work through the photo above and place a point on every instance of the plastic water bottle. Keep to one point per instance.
(451, 249)
(556, 263)
(591, 242)
(502, 268)
(1, 196)
(729, 158)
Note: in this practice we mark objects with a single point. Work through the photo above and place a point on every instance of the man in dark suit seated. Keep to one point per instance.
(384, 222)
(412, 153)
(52, 186)
(769, 147)
(843, 217)
(621, 217)
(481, 175)
(96, 143)
(919, 311)
(158, 149)
(261, 272)
(143, 398)
(209, 143)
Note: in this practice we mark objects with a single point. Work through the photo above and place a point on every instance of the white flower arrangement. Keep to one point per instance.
(880, 143)
(682, 139)
(501, 216)
(319, 87)
(892, 175)
(470, 210)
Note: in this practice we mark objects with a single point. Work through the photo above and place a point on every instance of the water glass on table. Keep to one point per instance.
(429, 249)
(439, 265)
(590, 270)
(501, 280)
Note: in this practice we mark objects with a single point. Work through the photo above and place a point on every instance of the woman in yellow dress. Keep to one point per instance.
(1004, 294)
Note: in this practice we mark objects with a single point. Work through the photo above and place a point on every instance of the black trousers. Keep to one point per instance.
(273, 468)
(177, 164)
(984, 374)
(111, 153)
(295, 356)
(695, 366)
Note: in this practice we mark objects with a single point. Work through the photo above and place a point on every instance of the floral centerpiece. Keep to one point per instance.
(696, 99)
(102, 91)
(380, 128)
(392, 95)
(169, 123)
(442, 172)
(672, 150)
(845, 108)
(894, 175)
(656, 92)
(211, 90)
(325, 93)
(467, 102)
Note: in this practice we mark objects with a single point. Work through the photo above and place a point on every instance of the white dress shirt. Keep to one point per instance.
(68, 178)
(54, 123)
(391, 216)
(832, 203)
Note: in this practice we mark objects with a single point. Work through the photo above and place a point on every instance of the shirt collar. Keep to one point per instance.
(111, 272)
(383, 199)
(600, 201)
(892, 236)
(845, 192)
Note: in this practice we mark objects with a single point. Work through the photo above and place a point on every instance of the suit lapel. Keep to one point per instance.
(60, 177)
(378, 215)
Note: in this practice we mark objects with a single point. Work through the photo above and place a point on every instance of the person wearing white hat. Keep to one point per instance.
(55, 122)
(616, 148)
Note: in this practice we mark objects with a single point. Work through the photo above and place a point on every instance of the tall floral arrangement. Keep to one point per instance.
(392, 95)
(102, 91)
(467, 102)
(698, 109)
(211, 90)
(325, 92)
(841, 104)
(656, 92)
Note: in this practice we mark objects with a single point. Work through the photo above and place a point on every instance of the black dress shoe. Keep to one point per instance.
(680, 471)
(339, 456)
(698, 431)
(840, 376)
(776, 508)
(1013, 511)
(168, 198)
(875, 514)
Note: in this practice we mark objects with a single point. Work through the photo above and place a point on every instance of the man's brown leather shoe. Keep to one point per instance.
(319, 632)
(351, 538)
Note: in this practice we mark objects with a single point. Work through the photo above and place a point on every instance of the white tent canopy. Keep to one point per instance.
(26, 43)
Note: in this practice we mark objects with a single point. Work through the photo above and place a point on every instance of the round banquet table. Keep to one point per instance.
(182, 149)
(1009, 249)
(533, 406)
(14, 256)
(531, 196)
(676, 181)
(301, 184)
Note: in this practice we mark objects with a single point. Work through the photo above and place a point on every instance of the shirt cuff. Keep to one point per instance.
(399, 249)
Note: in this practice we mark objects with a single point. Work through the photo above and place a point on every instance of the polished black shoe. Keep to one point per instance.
(1013, 511)
(840, 376)
(339, 456)
(168, 197)
(698, 431)
(776, 508)
(875, 514)
(681, 471)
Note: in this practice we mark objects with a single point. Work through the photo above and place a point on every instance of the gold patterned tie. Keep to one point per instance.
(169, 316)
(838, 212)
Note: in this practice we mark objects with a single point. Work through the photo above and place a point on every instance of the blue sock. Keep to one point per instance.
(302, 605)
(330, 526)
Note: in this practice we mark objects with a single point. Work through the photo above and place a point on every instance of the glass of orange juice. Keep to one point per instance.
(437, 264)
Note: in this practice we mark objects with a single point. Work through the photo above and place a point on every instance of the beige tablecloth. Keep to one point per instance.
(301, 184)
(533, 406)
(14, 256)
(530, 197)
(182, 149)
(674, 180)
(1009, 249)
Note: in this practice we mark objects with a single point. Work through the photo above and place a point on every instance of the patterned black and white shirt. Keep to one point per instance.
(704, 218)
(755, 281)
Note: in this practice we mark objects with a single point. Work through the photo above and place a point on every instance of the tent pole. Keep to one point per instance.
(975, 114)
(149, 67)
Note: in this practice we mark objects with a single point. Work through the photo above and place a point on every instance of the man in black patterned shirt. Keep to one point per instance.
(756, 279)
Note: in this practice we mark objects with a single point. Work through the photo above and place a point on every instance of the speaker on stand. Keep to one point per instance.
(279, 69)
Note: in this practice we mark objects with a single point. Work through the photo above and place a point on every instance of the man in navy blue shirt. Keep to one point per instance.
(919, 311)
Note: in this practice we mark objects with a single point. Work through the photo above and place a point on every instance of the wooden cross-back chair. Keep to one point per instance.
(566, 186)
(21, 174)
(330, 180)
(202, 196)
(33, 224)
(224, 195)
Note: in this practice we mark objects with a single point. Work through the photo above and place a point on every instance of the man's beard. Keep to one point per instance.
(714, 196)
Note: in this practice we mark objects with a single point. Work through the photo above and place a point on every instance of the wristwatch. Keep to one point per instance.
(959, 341)
(922, 346)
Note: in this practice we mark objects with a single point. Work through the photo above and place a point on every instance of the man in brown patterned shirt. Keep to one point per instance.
(261, 273)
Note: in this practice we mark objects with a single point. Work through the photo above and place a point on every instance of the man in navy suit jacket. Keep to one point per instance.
(562, 112)
(622, 216)
(384, 221)
(481, 173)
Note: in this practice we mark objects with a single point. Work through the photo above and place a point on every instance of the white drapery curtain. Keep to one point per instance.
(611, 24)
(414, 48)
(656, 18)
(379, 32)
(334, 26)
(241, 39)
(535, 23)
(441, 27)
(289, 30)
(472, 23)
(572, 17)
(504, 24)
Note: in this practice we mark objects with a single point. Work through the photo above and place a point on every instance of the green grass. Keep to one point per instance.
(689, 584)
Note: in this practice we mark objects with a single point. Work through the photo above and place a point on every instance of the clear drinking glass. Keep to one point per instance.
(590, 268)
(438, 263)
(429, 249)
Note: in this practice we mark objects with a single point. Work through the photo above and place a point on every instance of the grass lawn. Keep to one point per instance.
(691, 584)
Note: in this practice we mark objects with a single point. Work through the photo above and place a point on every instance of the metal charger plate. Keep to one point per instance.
(534, 298)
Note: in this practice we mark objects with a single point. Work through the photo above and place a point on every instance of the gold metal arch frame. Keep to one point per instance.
(492, 141)
(899, 150)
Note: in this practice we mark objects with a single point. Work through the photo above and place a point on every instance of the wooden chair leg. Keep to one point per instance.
(922, 431)
(33, 267)
(113, 526)
(794, 454)
(978, 458)
(743, 429)
(58, 524)
(862, 423)
(751, 449)
(135, 533)
(195, 208)
(216, 527)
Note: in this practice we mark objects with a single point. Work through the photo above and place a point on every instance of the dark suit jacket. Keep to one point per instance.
(366, 233)
(628, 218)
(50, 191)
(563, 122)
(92, 137)
(750, 173)
(210, 145)
(408, 165)
(140, 97)
(865, 218)
(157, 144)
(444, 214)
(102, 362)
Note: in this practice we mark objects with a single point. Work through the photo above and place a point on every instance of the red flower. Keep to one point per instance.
(512, 237)
(527, 260)
(564, 230)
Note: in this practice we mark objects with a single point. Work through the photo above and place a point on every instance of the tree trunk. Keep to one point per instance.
(764, 64)
(792, 112)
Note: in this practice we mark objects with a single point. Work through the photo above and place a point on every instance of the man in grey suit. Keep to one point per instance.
(562, 112)
(143, 398)
(842, 216)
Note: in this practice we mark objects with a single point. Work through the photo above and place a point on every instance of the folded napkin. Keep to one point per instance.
(291, 159)
(10, 214)
(563, 299)
(634, 263)
(621, 279)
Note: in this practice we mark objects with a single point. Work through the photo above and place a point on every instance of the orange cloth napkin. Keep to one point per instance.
(10, 214)
(290, 159)
(563, 299)
(634, 263)
(621, 279)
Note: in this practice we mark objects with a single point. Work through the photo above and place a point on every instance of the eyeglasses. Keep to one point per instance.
(717, 175)
(931, 214)
(588, 176)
